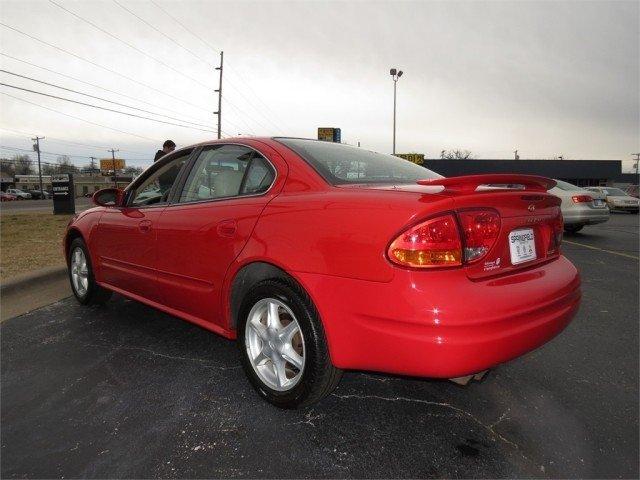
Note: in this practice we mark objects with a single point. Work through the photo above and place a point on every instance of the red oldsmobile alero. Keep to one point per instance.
(320, 257)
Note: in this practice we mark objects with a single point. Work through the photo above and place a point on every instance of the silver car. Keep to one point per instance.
(617, 199)
(580, 207)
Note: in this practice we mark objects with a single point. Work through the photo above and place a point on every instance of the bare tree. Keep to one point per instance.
(22, 165)
(133, 171)
(65, 165)
(456, 154)
(49, 169)
(7, 168)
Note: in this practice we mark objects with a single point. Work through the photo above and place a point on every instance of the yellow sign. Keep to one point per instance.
(325, 134)
(417, 158)
(109, 164)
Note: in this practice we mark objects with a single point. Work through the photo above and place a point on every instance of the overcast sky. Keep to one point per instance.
(546, 78)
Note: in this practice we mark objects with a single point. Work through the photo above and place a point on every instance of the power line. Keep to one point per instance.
(99, 98)
(103, 67)
(207, 44)
(59, 140)
(184, 27)
(193, 54)
(51, 153)
(142, 52)
(99, 87)
(81, 119)
(102, 108)
(198, 57)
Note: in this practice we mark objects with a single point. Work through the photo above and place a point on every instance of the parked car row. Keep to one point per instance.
(618, 199)
(18, 194)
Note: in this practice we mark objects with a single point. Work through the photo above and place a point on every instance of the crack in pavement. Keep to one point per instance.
(146, 350)
(459, 410)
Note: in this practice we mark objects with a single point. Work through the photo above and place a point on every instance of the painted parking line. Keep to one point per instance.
(628, 255)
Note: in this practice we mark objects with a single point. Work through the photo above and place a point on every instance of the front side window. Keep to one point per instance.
(224, 171)
(156, 188)
(343, 164)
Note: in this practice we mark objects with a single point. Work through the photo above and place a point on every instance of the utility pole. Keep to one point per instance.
(36, 147)
(637, 161)
(219, 90)
(92, 165)
(113, 157)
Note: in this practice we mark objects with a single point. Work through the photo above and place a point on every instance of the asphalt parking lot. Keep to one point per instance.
(125, 391)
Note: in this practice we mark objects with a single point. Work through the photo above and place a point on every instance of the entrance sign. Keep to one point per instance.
(64, 200)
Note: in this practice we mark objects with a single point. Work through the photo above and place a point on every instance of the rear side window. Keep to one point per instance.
(259, 177)
(343, 164)
(224, 171)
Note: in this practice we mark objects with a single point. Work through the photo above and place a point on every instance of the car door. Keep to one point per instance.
(211, 220)
(125, 242)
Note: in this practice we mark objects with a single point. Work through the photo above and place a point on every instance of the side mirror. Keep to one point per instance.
(108, 197)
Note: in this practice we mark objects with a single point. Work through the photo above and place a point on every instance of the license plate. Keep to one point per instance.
(598, 202)
(522, 244)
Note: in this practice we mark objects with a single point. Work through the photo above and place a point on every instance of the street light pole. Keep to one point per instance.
(395, 75)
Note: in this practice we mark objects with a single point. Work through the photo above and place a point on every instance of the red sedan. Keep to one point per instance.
(319, 257)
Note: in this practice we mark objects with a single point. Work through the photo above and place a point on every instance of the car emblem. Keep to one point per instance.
(531, 207)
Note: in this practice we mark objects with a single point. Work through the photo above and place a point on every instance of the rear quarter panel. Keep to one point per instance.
(337, 232)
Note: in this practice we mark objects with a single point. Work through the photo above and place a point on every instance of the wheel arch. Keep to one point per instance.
(70, 236)
(248, 276)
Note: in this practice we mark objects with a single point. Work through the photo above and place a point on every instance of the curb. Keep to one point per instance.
(33, 279)
(33, 290)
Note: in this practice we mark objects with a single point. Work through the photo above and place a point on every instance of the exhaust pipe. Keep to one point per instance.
(467, 378)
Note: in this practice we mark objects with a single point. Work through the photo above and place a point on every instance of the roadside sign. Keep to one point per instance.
(330, 134)
(109, 164)
(417, 158)
(64, 200)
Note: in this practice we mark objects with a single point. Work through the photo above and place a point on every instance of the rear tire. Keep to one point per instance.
(83, 283)
(283, 347)
(573, 228)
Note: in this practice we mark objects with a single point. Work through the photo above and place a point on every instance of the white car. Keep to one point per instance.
(580, 207)
(618, 199)
(20, 194)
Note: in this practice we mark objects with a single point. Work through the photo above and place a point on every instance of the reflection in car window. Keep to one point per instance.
(259, 177)
(343, 164)
(226, 170)
(156, 188)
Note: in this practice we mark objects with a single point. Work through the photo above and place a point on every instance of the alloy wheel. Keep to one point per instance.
(275, 344)
(79, 272)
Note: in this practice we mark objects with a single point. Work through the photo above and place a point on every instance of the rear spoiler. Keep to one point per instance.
(469, 183)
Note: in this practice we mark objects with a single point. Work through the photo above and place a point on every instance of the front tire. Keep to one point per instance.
(83, 283)
(283, 347)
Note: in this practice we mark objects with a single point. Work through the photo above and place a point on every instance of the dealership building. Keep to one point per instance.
(579, 172)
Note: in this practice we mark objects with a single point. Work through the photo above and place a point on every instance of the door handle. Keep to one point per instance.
(144, 225)
(227, 228)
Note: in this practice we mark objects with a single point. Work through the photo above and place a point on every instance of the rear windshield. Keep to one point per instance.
(615, 192)
(341, 164)
(567, 186)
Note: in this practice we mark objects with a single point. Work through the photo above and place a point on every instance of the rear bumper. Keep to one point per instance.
(441, 324)
(586, 217)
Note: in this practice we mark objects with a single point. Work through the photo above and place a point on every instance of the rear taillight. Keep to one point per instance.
(557, 227)
(432, 243)
(480, 229)
(581, 199)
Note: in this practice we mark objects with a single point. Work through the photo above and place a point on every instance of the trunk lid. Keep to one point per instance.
(529, 217)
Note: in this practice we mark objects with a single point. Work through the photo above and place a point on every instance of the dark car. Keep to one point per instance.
(39, 195)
